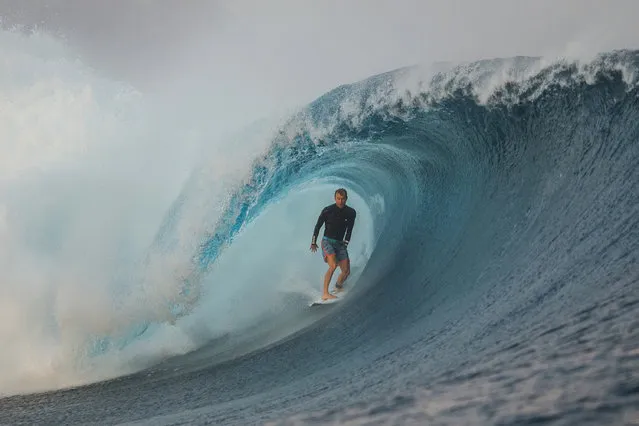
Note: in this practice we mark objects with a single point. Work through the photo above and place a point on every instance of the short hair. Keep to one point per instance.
(342, 192)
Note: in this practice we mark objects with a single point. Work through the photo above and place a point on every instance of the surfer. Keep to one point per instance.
(339, 220)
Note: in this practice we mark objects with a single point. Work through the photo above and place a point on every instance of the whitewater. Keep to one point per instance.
(154, 274)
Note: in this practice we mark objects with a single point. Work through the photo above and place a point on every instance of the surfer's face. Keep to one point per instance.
(340, 200)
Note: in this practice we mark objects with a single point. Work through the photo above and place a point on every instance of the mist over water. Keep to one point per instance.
(79, 203)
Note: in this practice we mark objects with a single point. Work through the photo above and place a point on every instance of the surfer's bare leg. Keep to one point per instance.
(332, 265)
(345, 268)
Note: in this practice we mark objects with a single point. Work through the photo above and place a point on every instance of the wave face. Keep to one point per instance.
(496, 259)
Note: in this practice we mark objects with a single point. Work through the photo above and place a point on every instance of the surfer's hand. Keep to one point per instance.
(313, 247)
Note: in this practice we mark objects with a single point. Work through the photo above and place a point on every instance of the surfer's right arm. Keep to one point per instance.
(320, 221)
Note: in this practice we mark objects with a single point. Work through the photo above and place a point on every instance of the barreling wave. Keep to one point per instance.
(444, 150)
(504, 233)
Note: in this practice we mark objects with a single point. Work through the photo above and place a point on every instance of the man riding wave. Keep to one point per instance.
(339, 220)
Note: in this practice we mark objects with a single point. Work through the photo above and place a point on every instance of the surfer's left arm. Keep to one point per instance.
(349, 230)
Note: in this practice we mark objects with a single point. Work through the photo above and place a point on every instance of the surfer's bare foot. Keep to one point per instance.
(339, 288)
(328, 296)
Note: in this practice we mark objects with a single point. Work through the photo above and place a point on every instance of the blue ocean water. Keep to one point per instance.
(500, 285)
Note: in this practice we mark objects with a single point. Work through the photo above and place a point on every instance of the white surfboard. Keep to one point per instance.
(320, 302)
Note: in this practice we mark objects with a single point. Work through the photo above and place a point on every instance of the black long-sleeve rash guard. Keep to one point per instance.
(339, 222)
